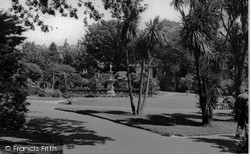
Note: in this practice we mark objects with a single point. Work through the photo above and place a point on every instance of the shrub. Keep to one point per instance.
(49, 93)
(41, 93)
(243, 145)
(57, 93)
(186, 83)
(230, 100)
(165, 82)
(227, 86)
(121, 80)
(153, 86)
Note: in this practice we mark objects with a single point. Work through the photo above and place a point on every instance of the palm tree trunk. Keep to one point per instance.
(129, 84)
(141, 86)
(238, 79)
(202, 98)
(147, 86)
(175, 81)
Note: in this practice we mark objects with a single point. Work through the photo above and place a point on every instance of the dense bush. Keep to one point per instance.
(49, 93)
(186, 83)
(57, 93)
(230, 100)
(165, 82)
(12, 115)
(153, 86)
(86, 92)
(121, 80)
(227, 86)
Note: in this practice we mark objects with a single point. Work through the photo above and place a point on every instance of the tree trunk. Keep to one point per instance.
(240, 67)
(147, 86)
(141, 86)
(175, 81)
(202, 98)
(129, 84)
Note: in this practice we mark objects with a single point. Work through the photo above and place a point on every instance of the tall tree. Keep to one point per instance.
(154, 34)
(53, 54)
(103, 43)
(234, 16)
(13, 89)
(128, 12)
(199, 30)
(140, 46)
(129, 29)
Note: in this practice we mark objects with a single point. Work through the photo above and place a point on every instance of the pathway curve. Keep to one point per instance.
(89, 135)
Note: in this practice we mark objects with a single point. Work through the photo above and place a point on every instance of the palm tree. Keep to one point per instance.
(129, 29)
(236, 35)
(127, 11)
(199, 30)
(140, 44)
(154, 34)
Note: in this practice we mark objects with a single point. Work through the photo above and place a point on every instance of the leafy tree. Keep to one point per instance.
(13, 89)
(33, 53)
(53, 54)
(31, 12)
(199, 29)
(103, 43)
(32, 71)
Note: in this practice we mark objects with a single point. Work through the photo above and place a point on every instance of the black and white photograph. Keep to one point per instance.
(124, 76)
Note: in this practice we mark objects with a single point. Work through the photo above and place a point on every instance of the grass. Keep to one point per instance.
(35, 97)
(166, 115)
(177, 101)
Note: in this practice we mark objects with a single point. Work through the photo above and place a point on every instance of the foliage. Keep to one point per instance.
(211, 70)
(13, 88)
(121, 80)
(128, 12)
(153, 86)
(103, 43)
(165, 82)
(243, 145)
(53, 54)
(154, 35)
(57, 93)
(47, 92)
(186, 83)
(198, 34)
(98, 81)
(227, 86)
(230, 100)
(32, 12)
(32, 71)
(234, 17)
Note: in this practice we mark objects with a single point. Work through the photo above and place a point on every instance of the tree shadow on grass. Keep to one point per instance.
(224, 117)
(151, 119)
(58, 132)
(226, 145)
(114, 112)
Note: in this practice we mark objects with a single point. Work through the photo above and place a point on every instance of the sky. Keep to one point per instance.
(73, 30)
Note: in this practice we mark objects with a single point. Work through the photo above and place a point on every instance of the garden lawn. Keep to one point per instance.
(162, 100)
(165, 114)
(35, 97)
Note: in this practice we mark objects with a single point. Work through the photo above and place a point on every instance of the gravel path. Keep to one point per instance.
(89, 135)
